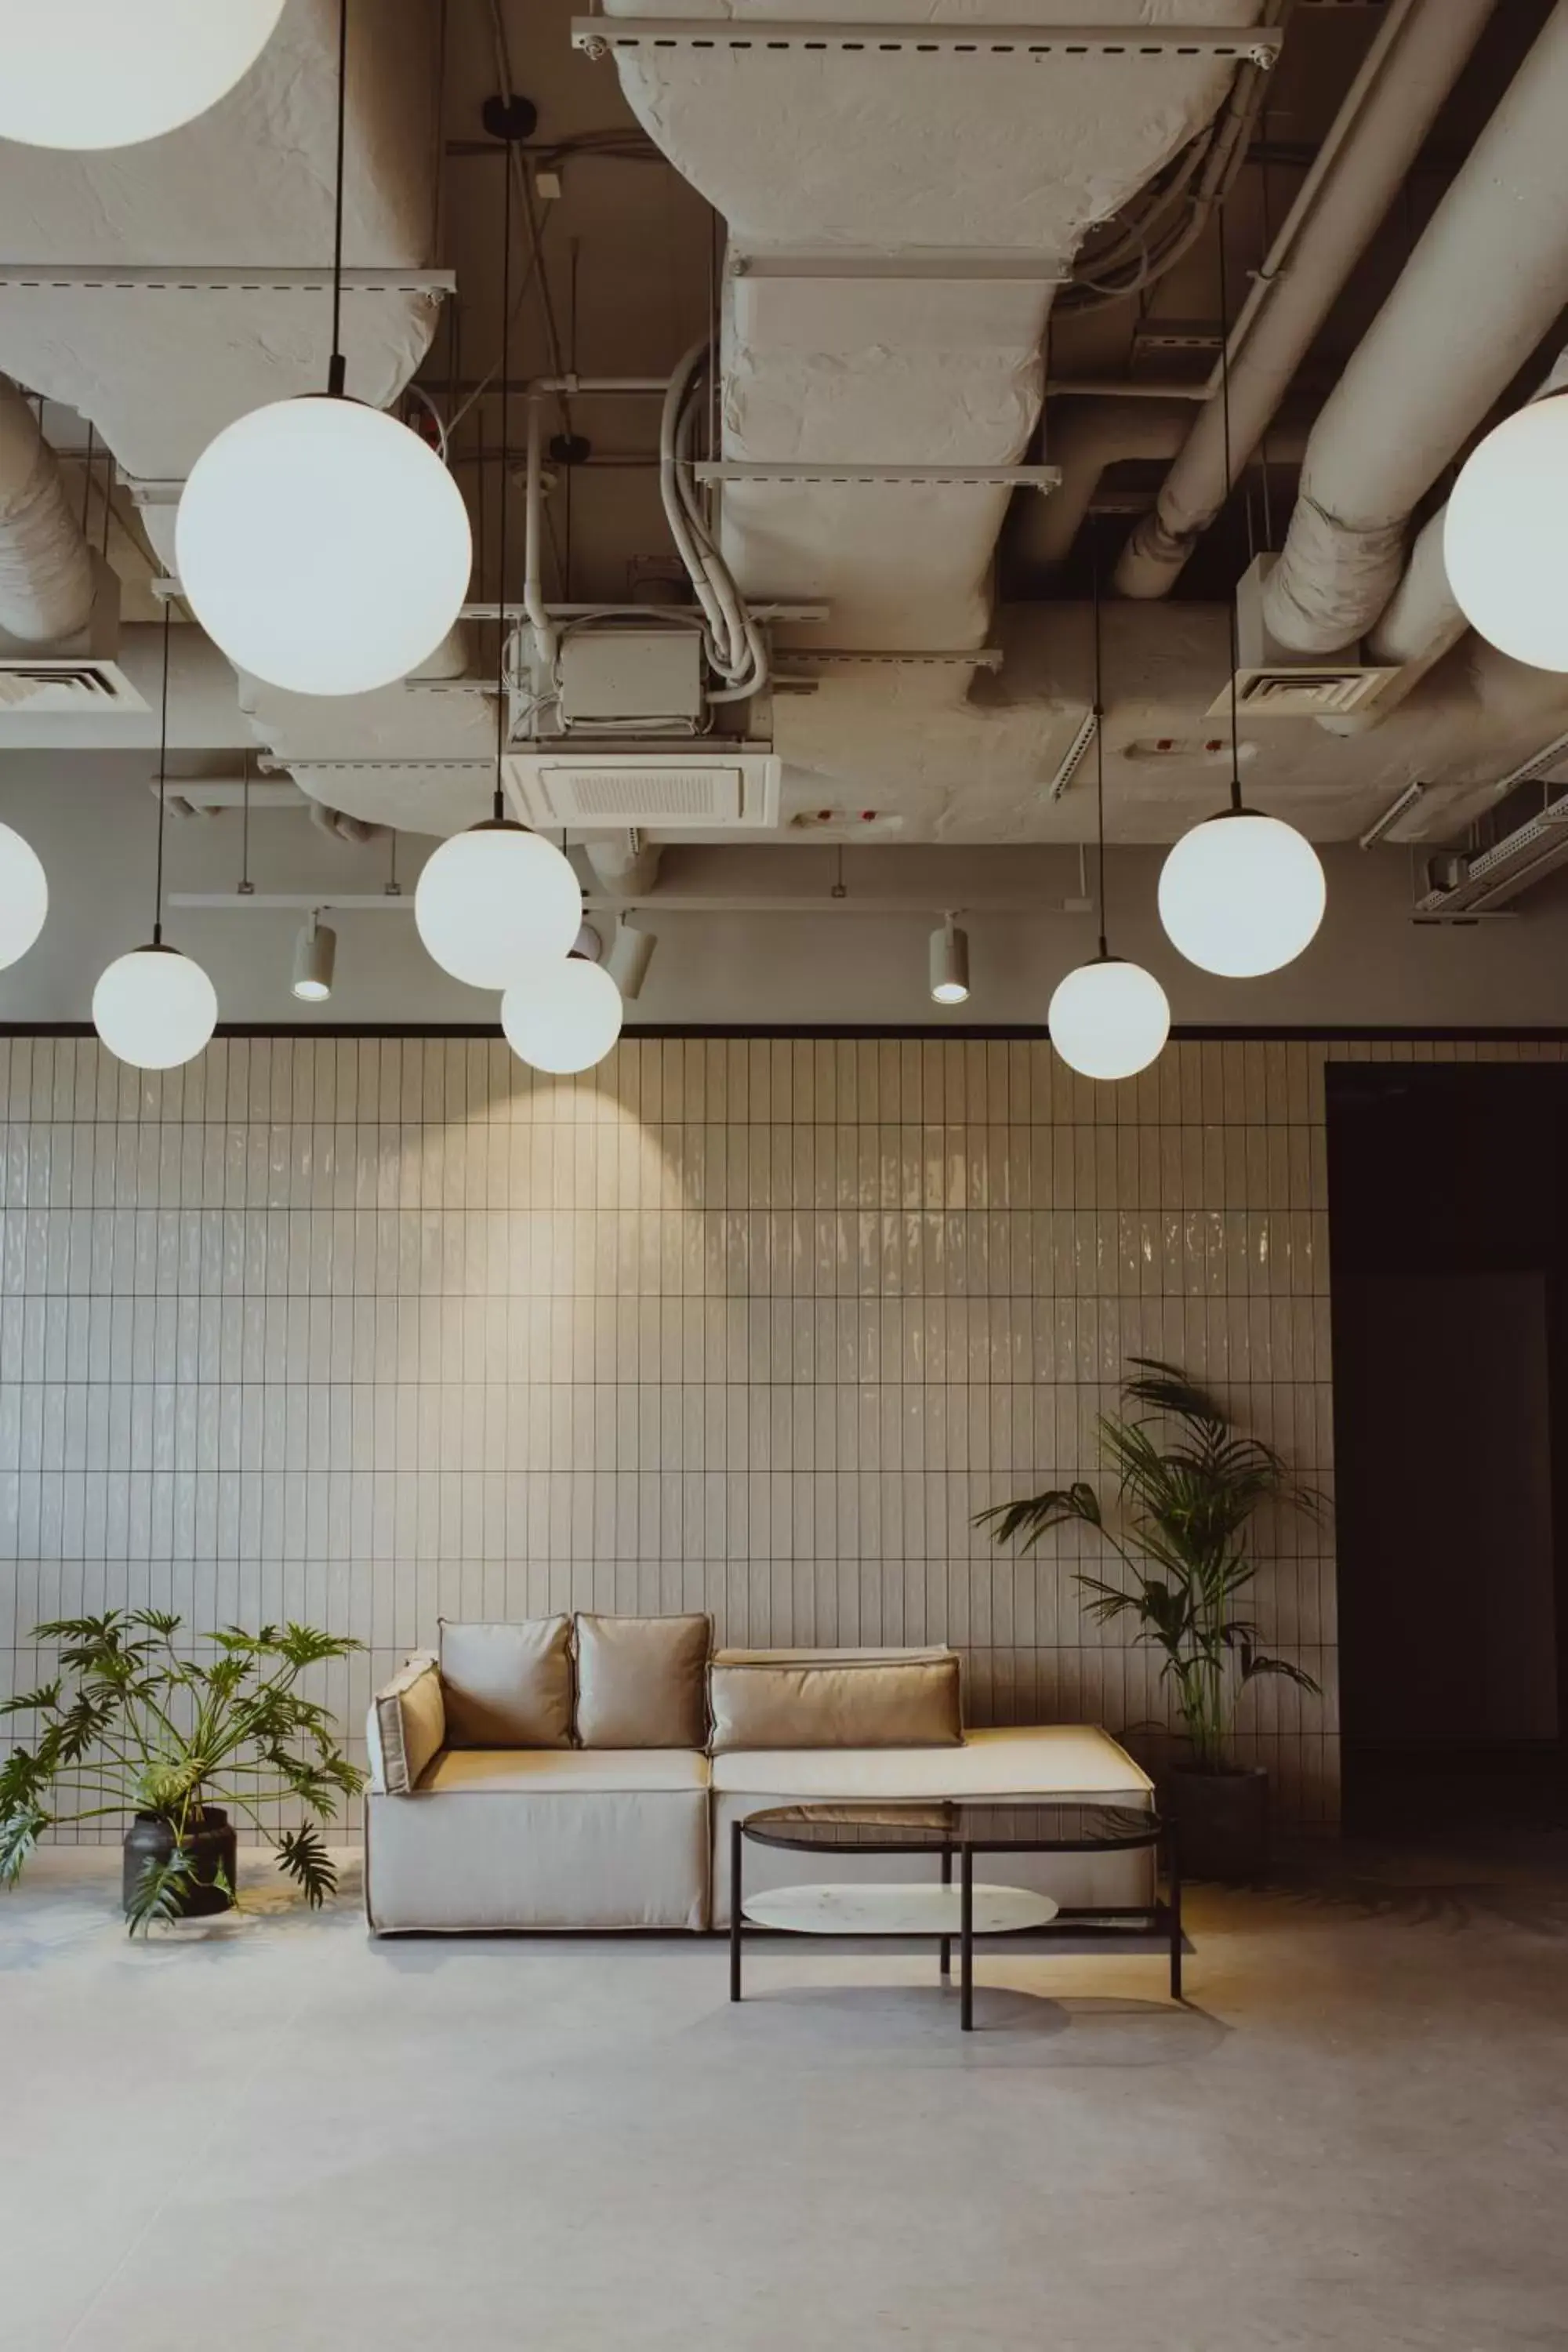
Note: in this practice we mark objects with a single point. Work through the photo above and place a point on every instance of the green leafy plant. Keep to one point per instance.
(1185, 1496)
(147, 1730)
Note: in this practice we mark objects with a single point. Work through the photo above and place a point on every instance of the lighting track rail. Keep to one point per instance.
(602, 37)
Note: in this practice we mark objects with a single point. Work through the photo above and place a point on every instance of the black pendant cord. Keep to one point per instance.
(1100, 747)
(499, 811)
(337, 367)
(1236, 807)
(163, 788)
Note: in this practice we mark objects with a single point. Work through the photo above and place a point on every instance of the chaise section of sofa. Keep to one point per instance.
(1037, 1760)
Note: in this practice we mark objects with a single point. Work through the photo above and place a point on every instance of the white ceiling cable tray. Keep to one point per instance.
(611, 789)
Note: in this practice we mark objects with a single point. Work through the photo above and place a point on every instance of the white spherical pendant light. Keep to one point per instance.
(24, 895)
(1109, 1019)
(110, 73)
(1505, 531)
(562, 1019)
(154, 1008)
(323, 546)
(1242, 894)
(497, 903)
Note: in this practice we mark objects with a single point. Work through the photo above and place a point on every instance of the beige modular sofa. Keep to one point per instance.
(583, 1773)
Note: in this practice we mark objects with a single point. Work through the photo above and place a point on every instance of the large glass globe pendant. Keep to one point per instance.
(1505, 532)
(563, 1019)
(323, 545)
(1242, 894)
(24, 895)
(1109, 1019)
(110, 73)
(497, 903)
(154, 1008)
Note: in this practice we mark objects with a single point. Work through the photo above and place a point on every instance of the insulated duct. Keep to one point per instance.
(1482, 288)
(46, 569)
(897, 222)
(1415, 59)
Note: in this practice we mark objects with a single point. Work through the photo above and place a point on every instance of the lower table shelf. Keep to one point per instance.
(896, 1910)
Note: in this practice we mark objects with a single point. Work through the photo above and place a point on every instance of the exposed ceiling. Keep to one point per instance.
(941, 255)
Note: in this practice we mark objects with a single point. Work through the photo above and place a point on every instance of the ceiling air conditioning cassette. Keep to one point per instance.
(69, 688)
(709, 792)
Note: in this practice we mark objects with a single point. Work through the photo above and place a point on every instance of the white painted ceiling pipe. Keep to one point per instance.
(1409, 69)
(46, 569)
(1483, 286)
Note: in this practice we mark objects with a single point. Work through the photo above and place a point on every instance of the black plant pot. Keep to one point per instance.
(1221, 1821)
(214, 1850)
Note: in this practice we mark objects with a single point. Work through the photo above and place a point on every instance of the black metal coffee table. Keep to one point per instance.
(937, 1911)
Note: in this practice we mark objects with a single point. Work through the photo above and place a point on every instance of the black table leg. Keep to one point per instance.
(966, 1942)
(947, 1940)
(1174, 1866)
(735, 1846)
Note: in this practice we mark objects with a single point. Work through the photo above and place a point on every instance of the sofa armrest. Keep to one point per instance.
(406, 1727)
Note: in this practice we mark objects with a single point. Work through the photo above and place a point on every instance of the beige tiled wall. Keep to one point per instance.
(369, 1331)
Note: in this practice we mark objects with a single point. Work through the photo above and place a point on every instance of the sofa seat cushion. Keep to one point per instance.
(562, 1771)
(1055, 1759)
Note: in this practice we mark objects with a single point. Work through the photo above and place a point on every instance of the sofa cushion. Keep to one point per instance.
(642, 1682)
(784, 1699)
(507, 1685)
(406, 1725)
(1054, 1760)
(562, 1771)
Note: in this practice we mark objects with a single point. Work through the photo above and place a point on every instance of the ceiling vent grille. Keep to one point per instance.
(610, 789)
(71, 688)
(1293, 690)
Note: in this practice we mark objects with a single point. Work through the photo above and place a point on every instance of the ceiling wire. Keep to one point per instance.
(1230, 601)
(518, 170)
(162, 780)
(499, 811)
(1099, 739)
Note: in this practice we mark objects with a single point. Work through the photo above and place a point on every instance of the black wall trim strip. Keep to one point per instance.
(972, 1032)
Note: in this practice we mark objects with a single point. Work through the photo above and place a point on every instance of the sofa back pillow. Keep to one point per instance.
(507, 1685)
(642, 1682)
(835, 1698)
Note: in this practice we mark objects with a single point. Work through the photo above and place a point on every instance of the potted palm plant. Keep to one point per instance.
(1187, 1484)
(179, 1742)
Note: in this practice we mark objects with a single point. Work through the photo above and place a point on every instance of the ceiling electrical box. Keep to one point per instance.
(645, 680)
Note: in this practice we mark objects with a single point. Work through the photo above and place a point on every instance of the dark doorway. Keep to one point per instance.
(1448, 1223)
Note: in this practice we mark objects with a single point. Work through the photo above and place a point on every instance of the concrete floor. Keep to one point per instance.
(278, 2135)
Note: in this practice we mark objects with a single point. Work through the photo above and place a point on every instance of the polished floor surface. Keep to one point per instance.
(276, 2135)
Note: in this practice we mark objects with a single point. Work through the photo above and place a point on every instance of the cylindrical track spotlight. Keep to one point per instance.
(631, 952)
(949, 963)
(315, 953)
